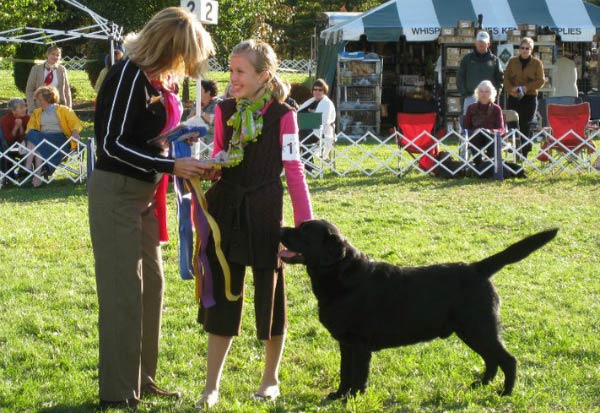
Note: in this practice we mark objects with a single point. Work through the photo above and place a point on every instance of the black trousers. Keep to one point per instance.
(525, 107)
(477, 145)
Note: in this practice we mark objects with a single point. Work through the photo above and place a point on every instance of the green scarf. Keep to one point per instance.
(247, 123)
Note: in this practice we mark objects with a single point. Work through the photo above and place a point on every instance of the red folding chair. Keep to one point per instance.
(416, 138)
(568, 140)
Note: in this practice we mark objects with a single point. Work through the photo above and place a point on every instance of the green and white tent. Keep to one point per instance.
(422, 20)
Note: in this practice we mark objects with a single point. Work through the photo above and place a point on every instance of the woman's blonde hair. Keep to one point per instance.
(263, 58)
(52, 49)
(486, 84)
(529, 42)
(49, 93)
(173, 41)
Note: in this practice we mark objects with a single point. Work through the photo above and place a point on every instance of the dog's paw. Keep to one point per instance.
(476, 384)
(335, 395)
(505, 392)
(339, 394)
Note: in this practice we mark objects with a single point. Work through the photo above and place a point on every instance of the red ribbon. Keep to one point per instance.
(49, 77)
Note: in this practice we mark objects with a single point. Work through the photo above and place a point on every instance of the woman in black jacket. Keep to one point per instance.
(137, 101)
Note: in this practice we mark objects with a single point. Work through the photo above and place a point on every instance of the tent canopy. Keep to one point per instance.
(102, 29)
(421, 20)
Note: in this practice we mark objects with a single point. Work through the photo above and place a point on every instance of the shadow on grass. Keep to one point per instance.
(62, 189)
(75, 408)
(414, 181)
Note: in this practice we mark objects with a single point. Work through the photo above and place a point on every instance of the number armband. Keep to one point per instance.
(290, 148)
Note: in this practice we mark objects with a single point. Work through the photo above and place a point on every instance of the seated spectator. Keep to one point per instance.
(483, 114)
(118, 56)
(209, 100)
(12, 129)
(320, 103)
(53, 123)
(14, 123)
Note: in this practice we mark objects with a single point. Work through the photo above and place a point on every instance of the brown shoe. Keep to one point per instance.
(120, 404)
(152, 388)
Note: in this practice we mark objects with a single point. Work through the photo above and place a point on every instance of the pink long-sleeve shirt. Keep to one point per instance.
(294, 170)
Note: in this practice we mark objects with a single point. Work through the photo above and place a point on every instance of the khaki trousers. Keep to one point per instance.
(129, 281)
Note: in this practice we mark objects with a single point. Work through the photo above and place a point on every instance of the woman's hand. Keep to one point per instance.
(190, 167)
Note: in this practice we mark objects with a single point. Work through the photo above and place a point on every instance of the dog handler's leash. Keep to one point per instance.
(205, 224)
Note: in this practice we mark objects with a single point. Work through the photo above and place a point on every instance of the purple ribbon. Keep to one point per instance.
(203, 230)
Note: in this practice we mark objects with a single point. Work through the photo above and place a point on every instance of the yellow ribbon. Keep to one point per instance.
(196, 186)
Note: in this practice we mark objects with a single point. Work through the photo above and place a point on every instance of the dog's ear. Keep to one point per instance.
(334, 250)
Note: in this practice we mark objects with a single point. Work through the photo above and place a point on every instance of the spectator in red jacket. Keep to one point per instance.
(14, 122)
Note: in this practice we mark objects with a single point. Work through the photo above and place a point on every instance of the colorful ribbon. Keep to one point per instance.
(205, 224)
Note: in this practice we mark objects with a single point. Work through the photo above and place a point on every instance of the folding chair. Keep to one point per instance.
(568, 140)
(416, 138)
(554, 100)
(512, 140)
(310, 125)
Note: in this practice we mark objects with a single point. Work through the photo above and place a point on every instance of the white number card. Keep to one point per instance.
(290, 148)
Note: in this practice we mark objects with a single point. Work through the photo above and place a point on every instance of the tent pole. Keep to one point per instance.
(112, 51)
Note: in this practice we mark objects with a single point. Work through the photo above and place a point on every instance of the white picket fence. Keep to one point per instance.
(448, 156)
(286, 65)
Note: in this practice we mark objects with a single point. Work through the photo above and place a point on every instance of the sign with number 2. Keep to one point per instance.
(206, 10)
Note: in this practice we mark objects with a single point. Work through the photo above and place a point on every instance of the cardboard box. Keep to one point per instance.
(447, 31)
(526, 26)
(514, 33)
(465, 24)
(546, 38)
(452, 82)
(546, 49)
(450, 39)
(467, 32)
(514, 39)
(464, 52)
(453, 62)
(453, 104)
(530, 33)
(453, 51)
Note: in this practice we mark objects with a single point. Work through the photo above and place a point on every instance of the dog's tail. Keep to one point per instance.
(514, 253)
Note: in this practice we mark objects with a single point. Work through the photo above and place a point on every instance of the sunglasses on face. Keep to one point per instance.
(525, 48)
(317, 89)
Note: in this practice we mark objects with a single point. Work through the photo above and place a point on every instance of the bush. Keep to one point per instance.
(21, 69)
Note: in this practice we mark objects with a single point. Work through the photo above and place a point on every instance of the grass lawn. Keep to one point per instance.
(551, 301)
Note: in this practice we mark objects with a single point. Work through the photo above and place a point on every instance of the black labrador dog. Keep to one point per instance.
(368, 305)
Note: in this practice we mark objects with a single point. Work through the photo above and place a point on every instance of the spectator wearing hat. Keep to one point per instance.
(118, 56)
(477, 66)
(49, 73)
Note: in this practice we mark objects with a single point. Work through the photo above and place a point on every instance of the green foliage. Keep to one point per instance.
(21, 70)
(20, 13)
(286, 24)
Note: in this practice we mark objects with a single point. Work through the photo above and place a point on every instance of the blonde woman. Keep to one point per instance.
(523, 77)
(49, 73)
(247, 202)
(137, 101)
